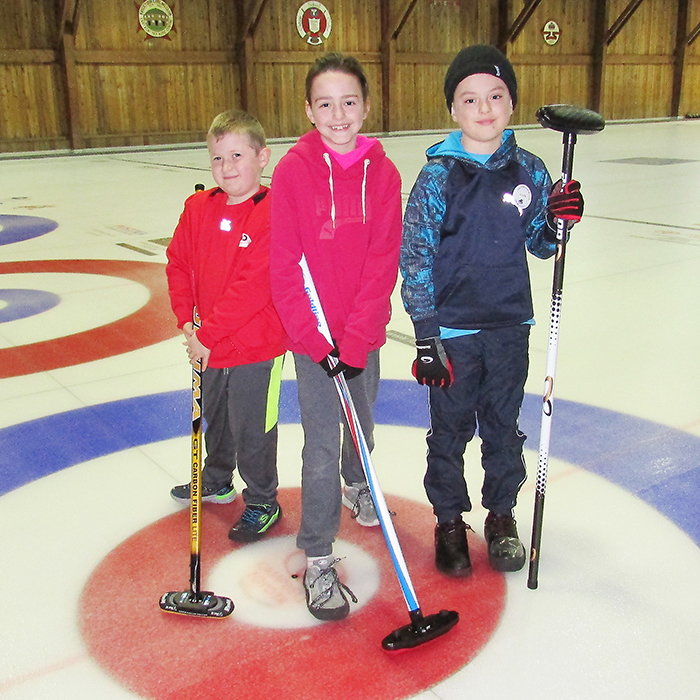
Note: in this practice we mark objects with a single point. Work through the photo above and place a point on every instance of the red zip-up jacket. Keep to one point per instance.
(347, 223)
(218, 261)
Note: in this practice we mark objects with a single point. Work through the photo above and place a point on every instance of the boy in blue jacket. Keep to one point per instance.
(477, 206)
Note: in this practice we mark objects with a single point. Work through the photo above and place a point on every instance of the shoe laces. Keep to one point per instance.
(502, 526)
(209, 491)
(328, 577)
(455, 529)
(364, 498)
(252, 514)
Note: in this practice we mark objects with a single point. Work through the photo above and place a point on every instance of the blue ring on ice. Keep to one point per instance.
(14, 228)
(23, 303)
(657, 463)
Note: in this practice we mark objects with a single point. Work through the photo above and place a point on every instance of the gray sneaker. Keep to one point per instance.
(358, 498)
(325, 594)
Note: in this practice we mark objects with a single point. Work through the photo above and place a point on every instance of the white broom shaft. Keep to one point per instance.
(361, 446)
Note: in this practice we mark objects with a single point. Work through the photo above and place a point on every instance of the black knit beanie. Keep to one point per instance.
(481, 58)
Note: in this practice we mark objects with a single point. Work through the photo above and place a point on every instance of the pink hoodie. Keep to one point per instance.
(347, 222)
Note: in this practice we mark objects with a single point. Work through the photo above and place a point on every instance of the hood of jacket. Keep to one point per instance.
(311, 149)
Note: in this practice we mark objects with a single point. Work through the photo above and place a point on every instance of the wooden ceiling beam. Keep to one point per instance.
(398, 21)
(250, 17)
(521, 20)
(621, 21)
(68, 26)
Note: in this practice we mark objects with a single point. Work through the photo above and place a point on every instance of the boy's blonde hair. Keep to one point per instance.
(239, 122)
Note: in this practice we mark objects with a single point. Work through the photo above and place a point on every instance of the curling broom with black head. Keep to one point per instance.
(422, 628)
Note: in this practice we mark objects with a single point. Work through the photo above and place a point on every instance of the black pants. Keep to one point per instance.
(240, 409)
(490, 369)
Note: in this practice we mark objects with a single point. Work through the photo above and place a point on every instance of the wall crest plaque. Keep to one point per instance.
(313, 23)
(551, 32)
(156, 18)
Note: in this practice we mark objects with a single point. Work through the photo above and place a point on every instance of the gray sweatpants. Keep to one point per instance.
(324, 459)
(240, 406)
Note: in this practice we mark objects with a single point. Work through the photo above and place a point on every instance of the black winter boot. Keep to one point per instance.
(451, 549)
(506, 551)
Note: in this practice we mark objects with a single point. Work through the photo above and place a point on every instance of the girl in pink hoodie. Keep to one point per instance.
(336, 199)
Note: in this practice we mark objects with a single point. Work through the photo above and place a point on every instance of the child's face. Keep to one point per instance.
(482, 108)
(236, 166)
(337, 109)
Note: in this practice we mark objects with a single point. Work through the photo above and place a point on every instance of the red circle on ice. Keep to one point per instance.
(159, 655)
(151, 324)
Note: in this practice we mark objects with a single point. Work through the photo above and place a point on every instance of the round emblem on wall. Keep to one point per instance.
(551, 32)
(313, 22)
(156, 18)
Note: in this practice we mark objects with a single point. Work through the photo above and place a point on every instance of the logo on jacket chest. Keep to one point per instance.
(520, 198)
(342, 210)
(227, 225)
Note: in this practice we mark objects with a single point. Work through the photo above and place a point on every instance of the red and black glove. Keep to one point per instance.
(566, 202)
(432, 366)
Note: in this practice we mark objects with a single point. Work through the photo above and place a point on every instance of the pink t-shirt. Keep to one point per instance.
(345, 160)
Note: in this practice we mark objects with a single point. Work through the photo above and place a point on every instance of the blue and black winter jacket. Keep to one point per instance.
(466, 230)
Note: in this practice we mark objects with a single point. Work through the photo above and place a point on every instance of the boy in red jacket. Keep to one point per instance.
(218, 262)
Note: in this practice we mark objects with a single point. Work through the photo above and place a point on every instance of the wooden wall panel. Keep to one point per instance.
(637, 91)
(29, 77)
(575, 19)
(639, 71)
(693, 21)
(126, 88)
(553, 73)
(281, 98)
(433, 34)
(283, 59)
(137, 104)
(441, 27)
(28, 24)
(649, 31)
(356, 27)
(23, 88)
(690, 103)
(548, 84)
(374, 76)
(690, 96)
(422, 99)
(200, 25)
(136, 89)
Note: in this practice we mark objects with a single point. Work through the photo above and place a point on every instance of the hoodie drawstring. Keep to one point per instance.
(327, 158)
(364, 187)
(366, 162)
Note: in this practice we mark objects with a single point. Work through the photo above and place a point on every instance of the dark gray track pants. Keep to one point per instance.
(240, 407)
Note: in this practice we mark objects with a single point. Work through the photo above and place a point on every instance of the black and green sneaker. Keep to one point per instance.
(256, 520)
(226, 494)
